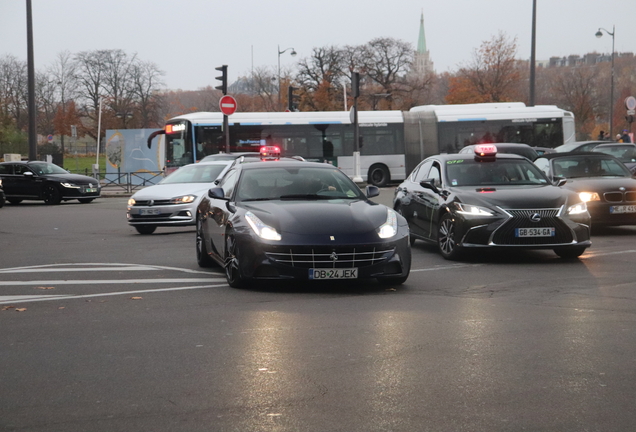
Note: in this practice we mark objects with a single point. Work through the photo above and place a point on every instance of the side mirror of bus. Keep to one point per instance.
(217, 193)
(372, 191)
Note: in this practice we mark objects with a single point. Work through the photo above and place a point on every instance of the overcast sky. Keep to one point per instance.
(187, 39)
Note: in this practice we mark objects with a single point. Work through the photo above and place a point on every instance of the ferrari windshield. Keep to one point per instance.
(198, 173)
(295, 183)
(470, 172)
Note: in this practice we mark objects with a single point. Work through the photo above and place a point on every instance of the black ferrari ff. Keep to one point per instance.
(490, 200)
(599, 179)
(45, 181)
(277, 220)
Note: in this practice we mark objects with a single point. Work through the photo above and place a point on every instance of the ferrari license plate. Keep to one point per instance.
(623, 209)
(351, 273)
(149, 212)
(534, 232)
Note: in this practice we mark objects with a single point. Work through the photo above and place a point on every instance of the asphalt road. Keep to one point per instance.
(104, 329)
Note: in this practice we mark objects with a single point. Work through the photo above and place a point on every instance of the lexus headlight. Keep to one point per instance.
(589, 196)
(390, 227)
(260, 228)
(577, 208)
(183, 199)
(472, 210)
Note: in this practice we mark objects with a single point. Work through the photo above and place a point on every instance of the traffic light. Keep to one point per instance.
(222, 78)
(355, 84)
(292, 99)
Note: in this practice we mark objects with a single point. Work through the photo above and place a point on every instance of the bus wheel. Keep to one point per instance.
(378, 175)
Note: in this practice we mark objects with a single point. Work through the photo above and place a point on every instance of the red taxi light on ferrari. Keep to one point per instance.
(270, 152)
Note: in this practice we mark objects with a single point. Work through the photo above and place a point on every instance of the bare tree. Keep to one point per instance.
(146, 83)
(388, 65)
(13, 90)
(491, 75)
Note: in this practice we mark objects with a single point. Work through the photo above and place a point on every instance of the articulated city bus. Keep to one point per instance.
(392, 143)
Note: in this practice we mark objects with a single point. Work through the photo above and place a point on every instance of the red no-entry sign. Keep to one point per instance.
(227, 105)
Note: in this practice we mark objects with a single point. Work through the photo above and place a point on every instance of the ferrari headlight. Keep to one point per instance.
(472, 210)
(260, 228)
(183, 199)
(589, 196)
(390, 227)
(577, 208)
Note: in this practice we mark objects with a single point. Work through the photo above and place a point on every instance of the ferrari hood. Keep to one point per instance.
(320, 217)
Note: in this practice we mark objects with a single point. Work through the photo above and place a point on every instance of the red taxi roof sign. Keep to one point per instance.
(486, 150)
(269, 152)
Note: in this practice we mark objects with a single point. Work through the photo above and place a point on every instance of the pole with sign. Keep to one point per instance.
(227, 104)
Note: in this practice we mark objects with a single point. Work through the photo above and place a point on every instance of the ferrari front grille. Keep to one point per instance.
(331, 257)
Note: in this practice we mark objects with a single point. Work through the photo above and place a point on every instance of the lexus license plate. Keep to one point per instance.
(623, 209)
(351, 273)
(534, 232)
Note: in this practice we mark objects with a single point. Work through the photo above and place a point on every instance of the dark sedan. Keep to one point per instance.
(299, 220)
(45, 181)
(490, 200)
(601, 180)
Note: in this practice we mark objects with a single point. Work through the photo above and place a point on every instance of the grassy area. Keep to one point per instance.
(83, 164)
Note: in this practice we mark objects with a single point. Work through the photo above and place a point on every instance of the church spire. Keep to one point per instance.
(421, 41)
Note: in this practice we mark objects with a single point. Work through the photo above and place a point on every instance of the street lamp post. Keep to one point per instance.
(599, 34)
(293, 54)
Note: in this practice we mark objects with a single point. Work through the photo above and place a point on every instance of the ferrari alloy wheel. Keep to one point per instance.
(446, 238)
(203, 259)
(232, 267)
(52, 195)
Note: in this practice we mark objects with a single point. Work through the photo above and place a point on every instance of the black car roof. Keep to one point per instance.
(463, 156)
(576, 154)
(287, 163)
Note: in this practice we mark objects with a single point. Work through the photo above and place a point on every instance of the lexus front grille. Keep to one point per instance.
(529, 218)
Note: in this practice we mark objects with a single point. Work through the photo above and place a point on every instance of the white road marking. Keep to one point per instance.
(28, 299)
(106, 281)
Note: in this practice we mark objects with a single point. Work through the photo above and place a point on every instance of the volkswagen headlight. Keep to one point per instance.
(131, 202)
(183, 199)
(390, 227)
(261, 229)
(472, 210)
(577, 208)
(69, 185)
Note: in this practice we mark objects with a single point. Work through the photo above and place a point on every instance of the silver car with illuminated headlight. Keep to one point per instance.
(173, 201)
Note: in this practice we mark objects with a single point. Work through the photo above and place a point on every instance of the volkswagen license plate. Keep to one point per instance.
(534, 232)
(149, 212)
(351, 273)
(91, 190)
(623, 209)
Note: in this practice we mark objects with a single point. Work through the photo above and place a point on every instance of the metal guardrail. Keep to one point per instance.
(128, 182)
